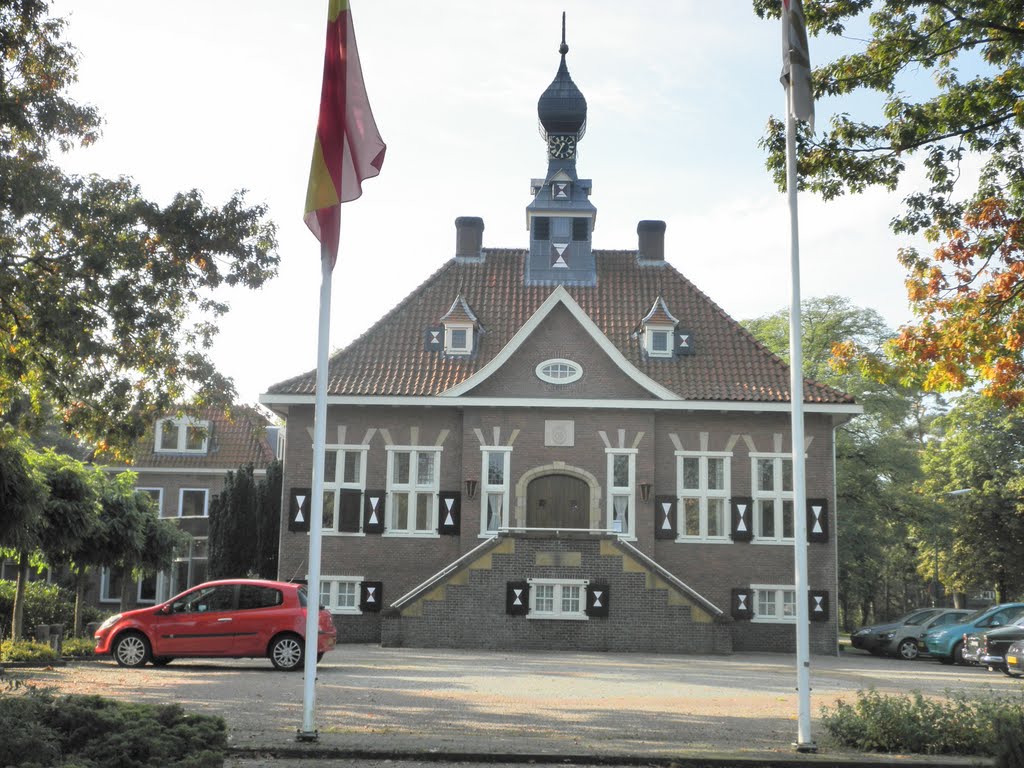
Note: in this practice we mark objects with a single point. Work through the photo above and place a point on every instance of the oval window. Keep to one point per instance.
(559, 371)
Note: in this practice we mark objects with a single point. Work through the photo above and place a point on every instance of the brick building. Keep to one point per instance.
(562, 447)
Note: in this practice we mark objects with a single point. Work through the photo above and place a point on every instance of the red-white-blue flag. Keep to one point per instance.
(796, 61)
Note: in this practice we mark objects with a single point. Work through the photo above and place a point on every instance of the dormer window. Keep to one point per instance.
(182, 435)
(460, 328)
(658, 329)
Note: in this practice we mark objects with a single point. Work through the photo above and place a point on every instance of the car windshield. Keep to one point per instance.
(916, 617)
(975, 616)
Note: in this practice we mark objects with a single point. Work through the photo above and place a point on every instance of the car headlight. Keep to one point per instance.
(862, 632)
(109, 622)
(887, 636)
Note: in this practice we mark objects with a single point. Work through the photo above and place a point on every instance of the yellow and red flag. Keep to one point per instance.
(348, 147)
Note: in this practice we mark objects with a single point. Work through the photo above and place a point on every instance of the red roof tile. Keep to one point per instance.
(233, 441)
(729, 364)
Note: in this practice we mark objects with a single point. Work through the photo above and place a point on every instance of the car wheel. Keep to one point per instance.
(286, 652)
(907, 649)
(945, 659)
(131, 649)
(162, 661)
(958, 654)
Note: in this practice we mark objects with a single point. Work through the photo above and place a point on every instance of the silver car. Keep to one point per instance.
(903, 640)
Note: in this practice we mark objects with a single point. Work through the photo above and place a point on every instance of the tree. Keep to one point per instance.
(23, 496)
(106, 304)
(268, 528)
(969, 294)
(877, 460)
(980, 447)
(234, 527)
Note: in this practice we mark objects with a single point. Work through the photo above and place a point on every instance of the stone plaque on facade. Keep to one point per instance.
(559, 434)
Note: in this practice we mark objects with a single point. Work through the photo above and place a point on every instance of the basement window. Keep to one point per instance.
(564, 599)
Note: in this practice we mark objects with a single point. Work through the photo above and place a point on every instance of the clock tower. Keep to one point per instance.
(561, 217)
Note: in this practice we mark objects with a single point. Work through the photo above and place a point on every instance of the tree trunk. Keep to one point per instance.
(18, 619)
(127, 584)
(79, 598)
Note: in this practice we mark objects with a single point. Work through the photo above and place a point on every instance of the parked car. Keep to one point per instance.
(1015, 659)
(946, 643)
(228, 619)
(903, 640)
(869, 638)
(989, 648)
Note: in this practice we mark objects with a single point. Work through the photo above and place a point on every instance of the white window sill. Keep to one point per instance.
(557, 617)
(193, 517)
(345, 611)
(703, 540)
(772, 620)
(772, 542)
(343, 534)
(411, 535)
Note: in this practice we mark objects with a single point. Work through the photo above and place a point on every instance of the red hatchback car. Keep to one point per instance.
(229, 619)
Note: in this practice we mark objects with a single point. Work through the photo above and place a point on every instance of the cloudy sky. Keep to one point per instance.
(220, 96)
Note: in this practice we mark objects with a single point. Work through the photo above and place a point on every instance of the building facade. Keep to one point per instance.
(562, 447)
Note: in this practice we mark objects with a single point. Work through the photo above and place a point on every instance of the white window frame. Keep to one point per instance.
(414, 489)
(628, 491)
(649, 334)
(206, 502)
(777, 496)
(778, 616)
(333, 583)
(187, 560)
(159, 498)
(183, 424)
(106, 597)
(449, 342)
(703, 493)
(574, 371)
(337, 483)
(488, 489)
(557, 613)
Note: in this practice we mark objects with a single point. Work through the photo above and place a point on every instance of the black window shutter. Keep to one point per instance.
(373, 511)
(371, 596)
(349, 510)
(598, 600)
(433, 339)
(665, 517)
(817, 520)
(449, 513)
(684, 343)
(300, 504)
(742, 518)
(517, 598)
(742, 603)
(817, 608)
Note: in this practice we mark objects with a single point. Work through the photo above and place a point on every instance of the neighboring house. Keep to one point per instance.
(182, 464)
(562, 447)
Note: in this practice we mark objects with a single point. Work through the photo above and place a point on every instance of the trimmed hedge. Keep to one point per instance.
(92, 732)
(44, 604)
(26, 650)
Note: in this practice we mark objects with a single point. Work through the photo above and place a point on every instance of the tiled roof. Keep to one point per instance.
(729, 364)
(233, 441)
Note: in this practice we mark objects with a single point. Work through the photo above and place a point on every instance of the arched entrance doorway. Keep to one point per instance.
(558, 501)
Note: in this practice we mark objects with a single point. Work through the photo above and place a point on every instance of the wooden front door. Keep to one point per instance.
(558, 501)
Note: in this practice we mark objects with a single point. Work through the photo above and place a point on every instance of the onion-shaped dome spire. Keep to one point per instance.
(562, 107)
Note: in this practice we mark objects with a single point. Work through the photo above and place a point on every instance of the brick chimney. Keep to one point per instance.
(469, 237)
(651, 242)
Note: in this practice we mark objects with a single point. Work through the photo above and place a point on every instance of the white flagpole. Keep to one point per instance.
(804, 742)
(308, 730)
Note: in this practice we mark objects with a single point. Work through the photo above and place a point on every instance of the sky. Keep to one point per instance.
(220, 96)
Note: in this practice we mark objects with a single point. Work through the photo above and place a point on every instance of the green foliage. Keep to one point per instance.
(22, 491)
(958, 725)
(44, 604)
(107, 306)
(244, 525)
(92, 732)
(26, 650)
(78, 647)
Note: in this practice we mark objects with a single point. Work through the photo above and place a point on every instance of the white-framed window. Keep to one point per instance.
(193, 502)
(703, 483)
(621, 464)
(190, 566)
(494, 492)
(458, 339)
(111, 580)
(157, 495)
(344, 478)
(559, 371)
(413, 485)
(564, 599)
(772, 480)
(182, 435)
(658, 340)
(340, 594)
(774, 603)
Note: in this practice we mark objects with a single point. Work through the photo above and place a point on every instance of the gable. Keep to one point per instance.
(559, 336)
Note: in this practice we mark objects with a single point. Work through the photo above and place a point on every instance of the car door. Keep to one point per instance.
(261, 614)
(199, 623)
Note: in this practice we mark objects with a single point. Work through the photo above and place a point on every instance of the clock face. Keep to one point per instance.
(562, 147)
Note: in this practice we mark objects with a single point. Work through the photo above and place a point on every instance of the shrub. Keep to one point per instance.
(78, 647)
(90, 732)
(963, 725)
(44, 604)
(26, 650)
